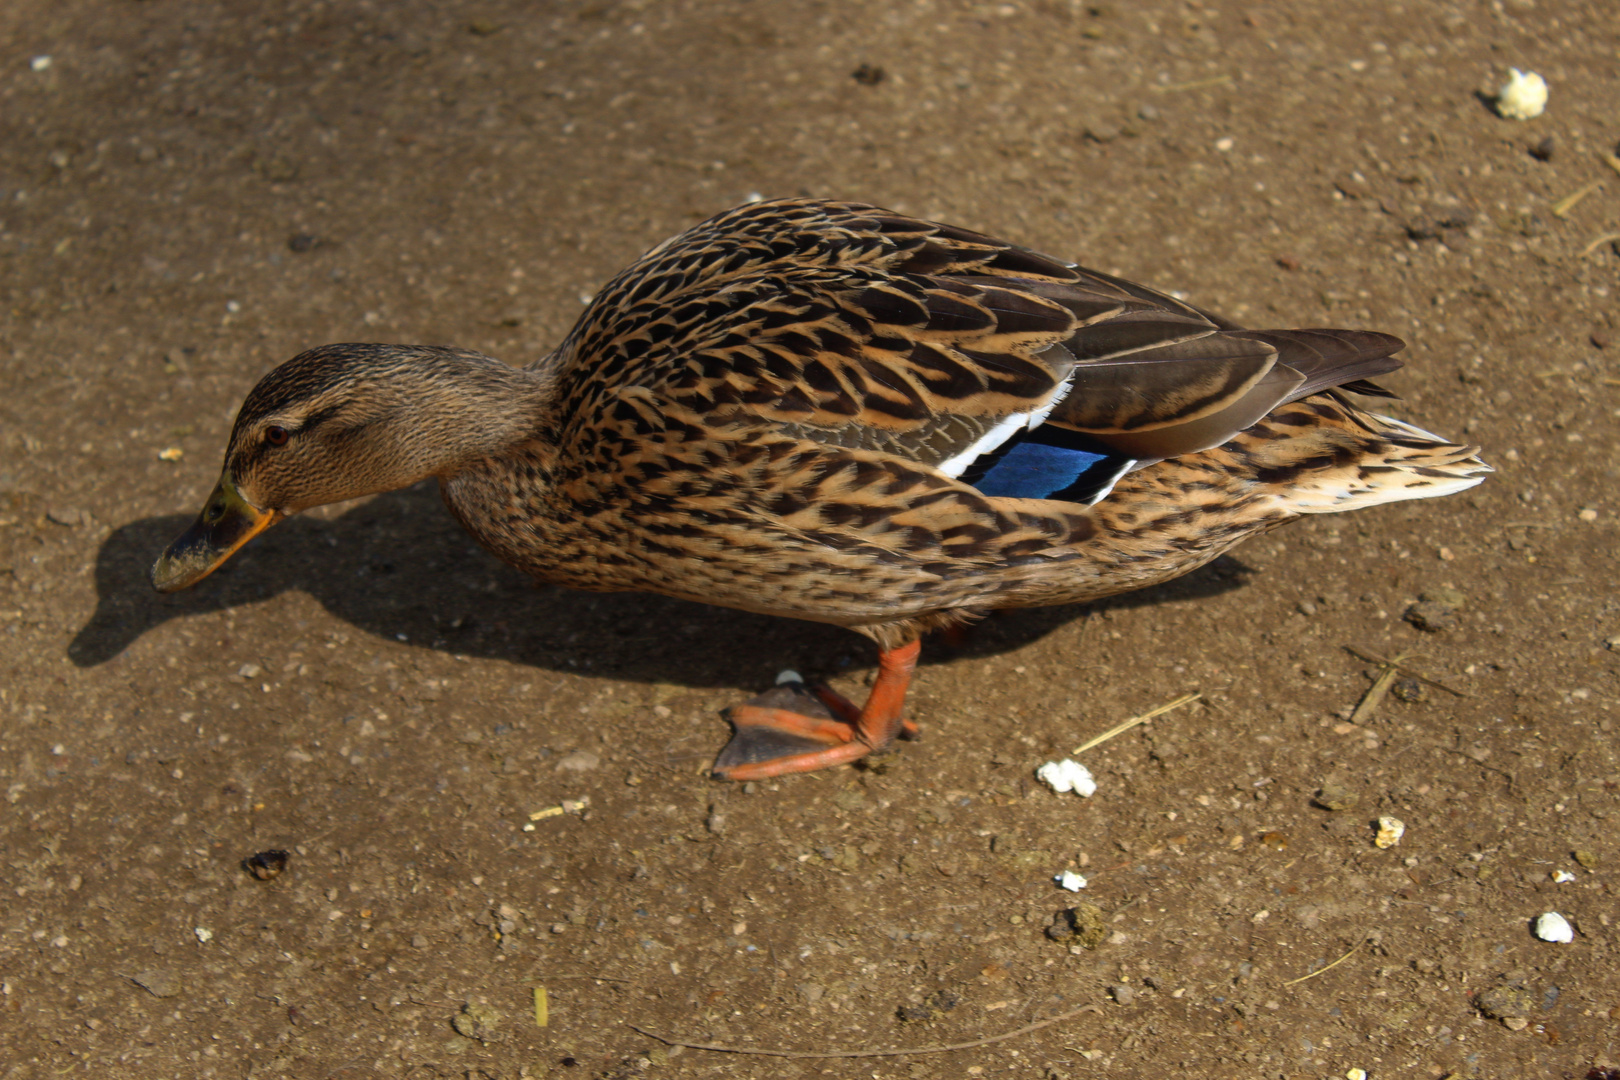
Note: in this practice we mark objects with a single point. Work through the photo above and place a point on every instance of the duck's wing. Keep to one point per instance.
(851, 326)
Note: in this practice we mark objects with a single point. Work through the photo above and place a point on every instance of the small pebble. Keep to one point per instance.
(935, 1005)
(1432, 617)
(1410, 691)
(1562, 876)
(40, 63)
(1543, 150)
(171, 453)
(1101, 131)
(266, 865)
(1123, 994)
(578, 761)
(1445, 594)
(1552, 926)
(204, 934)
(477, 1021)
(1587, 859)
(1336, 796)
(1505, 1002)
(161, 984)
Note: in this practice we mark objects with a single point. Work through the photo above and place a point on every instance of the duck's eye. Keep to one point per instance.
(275, 435)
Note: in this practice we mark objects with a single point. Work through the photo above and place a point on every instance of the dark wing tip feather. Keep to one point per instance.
(1329, 358)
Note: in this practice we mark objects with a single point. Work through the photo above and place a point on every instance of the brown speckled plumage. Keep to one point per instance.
(773, 410)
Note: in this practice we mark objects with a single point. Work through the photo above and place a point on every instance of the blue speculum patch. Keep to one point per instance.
(1047, 463)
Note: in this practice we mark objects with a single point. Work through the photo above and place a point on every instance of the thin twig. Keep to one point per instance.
(1374, 696)
(1399, 665)
(1599, 242)
(976, 1043)
(1563, 206)
(1331, 966)
(1120, 729)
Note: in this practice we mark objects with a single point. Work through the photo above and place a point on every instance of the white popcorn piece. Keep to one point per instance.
(1390, 831)
(1523, 96)
(1552, 926)
(1067, 775)
(1562, 876)
(1070, 880)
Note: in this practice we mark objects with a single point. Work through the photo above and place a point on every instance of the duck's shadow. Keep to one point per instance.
(399, 567)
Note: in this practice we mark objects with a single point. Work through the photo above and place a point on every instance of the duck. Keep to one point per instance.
(828, 411)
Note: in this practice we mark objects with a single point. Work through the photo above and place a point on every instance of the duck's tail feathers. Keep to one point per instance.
(1340, 458)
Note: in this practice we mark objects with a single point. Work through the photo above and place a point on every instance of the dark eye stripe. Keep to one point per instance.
(319, 417)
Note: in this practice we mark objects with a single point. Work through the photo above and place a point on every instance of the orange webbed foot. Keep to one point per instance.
(796, 728)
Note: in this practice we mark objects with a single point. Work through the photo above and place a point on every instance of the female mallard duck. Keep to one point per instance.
(832, 412)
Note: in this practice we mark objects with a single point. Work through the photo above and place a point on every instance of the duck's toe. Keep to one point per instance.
(788, 721)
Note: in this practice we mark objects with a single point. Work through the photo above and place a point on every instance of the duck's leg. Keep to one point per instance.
(773, 741)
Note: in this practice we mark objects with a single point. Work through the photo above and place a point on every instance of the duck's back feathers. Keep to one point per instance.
(849, 326)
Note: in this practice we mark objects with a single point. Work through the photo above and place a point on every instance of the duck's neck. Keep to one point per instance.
(484, 409)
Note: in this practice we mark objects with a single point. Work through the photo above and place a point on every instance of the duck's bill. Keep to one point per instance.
(227, 522)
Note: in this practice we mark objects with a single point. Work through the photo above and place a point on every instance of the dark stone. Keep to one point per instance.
(1411, 691)
(1503, 1002)
(265, 865)
(1432, 617)
(936, 1004)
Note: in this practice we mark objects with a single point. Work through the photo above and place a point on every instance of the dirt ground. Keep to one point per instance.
(191, 192)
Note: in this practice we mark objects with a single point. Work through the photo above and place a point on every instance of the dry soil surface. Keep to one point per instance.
(191, 192)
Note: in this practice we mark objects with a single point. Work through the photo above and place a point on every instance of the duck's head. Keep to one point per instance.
(330, 424)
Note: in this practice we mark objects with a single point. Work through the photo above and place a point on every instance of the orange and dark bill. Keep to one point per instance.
(227, 522)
